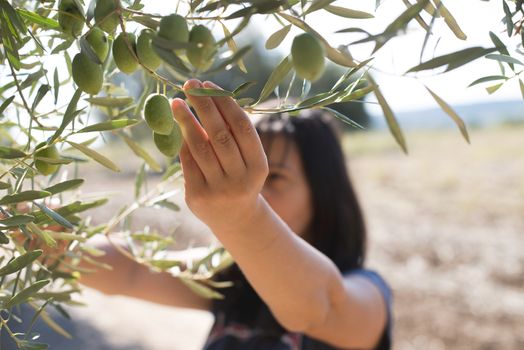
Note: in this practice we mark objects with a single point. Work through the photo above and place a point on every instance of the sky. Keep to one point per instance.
(407, 93)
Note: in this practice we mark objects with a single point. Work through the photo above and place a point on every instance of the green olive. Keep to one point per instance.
(98, 41)
(87, 74)
(174, 28)
(145, 52)
(202, 49)
(158, 114)
(307, 54)
(106, 17)
(171, 144)
(45, 151)
(124, 58)
(70, 17)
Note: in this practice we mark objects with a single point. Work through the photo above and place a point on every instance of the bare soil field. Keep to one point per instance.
(446, 230)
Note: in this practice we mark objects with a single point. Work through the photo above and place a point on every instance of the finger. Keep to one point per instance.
(197, 141)
(242, 128)
(218, 131)
(193, 176)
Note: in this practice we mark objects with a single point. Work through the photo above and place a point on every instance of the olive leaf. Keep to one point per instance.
(447, 108)
(20, 262)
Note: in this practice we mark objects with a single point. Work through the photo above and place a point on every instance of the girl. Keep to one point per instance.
(279, 199)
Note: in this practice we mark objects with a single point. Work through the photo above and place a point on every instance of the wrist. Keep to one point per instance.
(248, 217)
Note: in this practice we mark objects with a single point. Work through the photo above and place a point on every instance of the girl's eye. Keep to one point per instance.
(273, 176)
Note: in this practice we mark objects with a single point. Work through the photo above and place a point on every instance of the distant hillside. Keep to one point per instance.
(474, 115)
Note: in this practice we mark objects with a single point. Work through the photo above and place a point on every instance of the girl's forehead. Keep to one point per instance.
(280, 150)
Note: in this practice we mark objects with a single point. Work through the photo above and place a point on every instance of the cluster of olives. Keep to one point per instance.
(307, 55)
(129, 52)
(166, 131)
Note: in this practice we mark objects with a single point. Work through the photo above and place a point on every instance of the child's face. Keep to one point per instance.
(286, 188)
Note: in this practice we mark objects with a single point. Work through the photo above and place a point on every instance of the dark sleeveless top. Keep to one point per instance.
(238, 328)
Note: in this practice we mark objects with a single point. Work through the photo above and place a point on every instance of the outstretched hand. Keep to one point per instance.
(223, 160)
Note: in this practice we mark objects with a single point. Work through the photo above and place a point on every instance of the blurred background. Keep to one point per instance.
(445, 222)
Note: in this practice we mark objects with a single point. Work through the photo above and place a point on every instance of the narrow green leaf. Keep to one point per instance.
(32, 345)
(418, 17)
(353, 30)
(450, 20)
(170, 58)
(23, 196)
(449, 111)
(277, 37)
(146, 21)
(95, 156)
(492, 89)
(139, 180)
(13, 17)
(55, 326)
(209, 92)
(165, 264)
(65, 186)
(275, 78)
(429, 31)
(201, 290)
(86, 49)
(142, 153)
(500, 47)
(347, 13)
(521, 83)
(337, 56)
(453, 60)
(4, 185)
(15, 220)
(109, 125)
(64, 45)
(504, 58)
(393, 125)
(317, 5)
(20, 262)
(43, 235)
(5, 104)
(168, 204)
(55, 216)
(508, 18)
(171, 170)
(243, 87)
(394, 27)
(42, 91)
(32, 78)
(35, 18)
(343, 118)
(488, 78)
(26, 293)
(117, 101)
(56, 85)
(69, 115)
(233, 47)
(350, 73)
(231, 60)
(356, 95)
(68, 210)
(11, 153)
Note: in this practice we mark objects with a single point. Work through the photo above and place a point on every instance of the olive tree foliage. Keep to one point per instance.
(43, 227)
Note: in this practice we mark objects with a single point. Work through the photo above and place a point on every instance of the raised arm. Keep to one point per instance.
(225, 167)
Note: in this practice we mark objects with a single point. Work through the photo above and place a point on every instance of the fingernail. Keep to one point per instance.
(192, 84)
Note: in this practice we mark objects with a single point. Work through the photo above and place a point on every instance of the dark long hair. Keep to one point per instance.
(337, 227)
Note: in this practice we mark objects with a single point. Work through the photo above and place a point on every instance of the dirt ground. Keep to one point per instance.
(446, 227)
